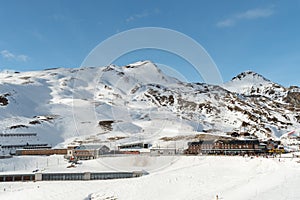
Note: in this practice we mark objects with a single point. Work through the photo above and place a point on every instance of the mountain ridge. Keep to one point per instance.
(139, 101)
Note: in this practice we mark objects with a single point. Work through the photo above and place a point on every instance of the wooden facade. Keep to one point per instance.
(87, 152)
(47, 152)
(226, 147)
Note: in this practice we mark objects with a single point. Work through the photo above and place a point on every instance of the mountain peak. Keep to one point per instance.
(250, 76)
(148, 72)
(140, 63)
(250, 82)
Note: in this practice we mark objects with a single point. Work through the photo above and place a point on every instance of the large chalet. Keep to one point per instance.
(226, 147)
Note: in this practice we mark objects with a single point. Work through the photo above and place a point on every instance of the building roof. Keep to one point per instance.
(238, 142)
(202, 142)
(90, 147)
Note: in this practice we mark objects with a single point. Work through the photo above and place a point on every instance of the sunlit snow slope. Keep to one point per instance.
(138, 101)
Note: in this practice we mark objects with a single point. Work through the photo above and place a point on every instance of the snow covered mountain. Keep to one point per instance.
(138, 102)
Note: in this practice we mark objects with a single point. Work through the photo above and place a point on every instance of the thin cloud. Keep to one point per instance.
(137, 16)
(142, 15)
(256, 13)
(247, 15)
(6, 54)
(22, 58)
(226, 23)
(10, 56)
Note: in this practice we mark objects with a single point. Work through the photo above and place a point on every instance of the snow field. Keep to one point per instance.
(191, 177)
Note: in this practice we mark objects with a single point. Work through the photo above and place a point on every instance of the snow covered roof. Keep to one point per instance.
(90, 147)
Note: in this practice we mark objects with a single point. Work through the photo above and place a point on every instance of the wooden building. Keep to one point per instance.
(41, 152)
(230, 147)
(87, 152)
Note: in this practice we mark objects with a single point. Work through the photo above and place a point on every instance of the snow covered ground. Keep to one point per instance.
(185, 177)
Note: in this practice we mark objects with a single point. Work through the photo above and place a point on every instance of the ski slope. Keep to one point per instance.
(187, 177)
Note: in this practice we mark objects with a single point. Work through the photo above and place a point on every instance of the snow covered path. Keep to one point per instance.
(188, 178)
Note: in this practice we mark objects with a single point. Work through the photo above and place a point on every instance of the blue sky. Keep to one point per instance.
(262, 36)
